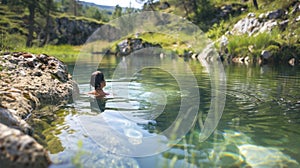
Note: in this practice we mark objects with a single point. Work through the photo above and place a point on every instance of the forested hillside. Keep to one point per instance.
(37, 23)
(246, 27)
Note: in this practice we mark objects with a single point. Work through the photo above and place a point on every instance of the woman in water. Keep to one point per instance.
(98, 82)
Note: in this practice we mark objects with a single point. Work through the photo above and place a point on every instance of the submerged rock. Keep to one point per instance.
(244, 150)
(263, 157)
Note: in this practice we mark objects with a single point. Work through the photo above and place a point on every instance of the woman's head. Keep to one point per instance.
(97, 80)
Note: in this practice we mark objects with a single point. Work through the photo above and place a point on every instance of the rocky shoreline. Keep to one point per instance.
(28, 82)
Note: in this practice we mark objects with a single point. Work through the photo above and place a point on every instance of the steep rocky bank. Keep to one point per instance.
(279, 43)
(68, 30)
(28, 82)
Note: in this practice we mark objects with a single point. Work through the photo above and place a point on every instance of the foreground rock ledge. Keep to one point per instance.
(19, 150)
(27, 82)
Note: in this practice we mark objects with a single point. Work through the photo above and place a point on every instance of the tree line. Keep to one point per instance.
(194, 10)
(46, 9)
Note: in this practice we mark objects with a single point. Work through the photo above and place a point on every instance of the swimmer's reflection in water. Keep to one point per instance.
(98, 104)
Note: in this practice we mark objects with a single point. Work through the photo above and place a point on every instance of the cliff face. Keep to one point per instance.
(60, 29)
(67, 30)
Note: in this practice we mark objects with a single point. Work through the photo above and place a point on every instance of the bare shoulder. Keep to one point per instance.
(92, 92)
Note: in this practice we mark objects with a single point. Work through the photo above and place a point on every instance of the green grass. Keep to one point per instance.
(66, 53)
(72, 17)
(166, 41)
(278, 41)
(238, 45)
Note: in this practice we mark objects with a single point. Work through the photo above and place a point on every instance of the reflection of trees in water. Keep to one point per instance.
(168, 116)
(256, 102)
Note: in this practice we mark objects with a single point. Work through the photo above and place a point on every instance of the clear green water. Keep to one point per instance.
(259, 126)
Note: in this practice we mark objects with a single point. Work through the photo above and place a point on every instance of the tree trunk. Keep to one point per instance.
(255, 4)
(185, 8)
(31, 7)
(151, 5)
(4, 2)
(75, 7)
(195, 6)
(48, 22)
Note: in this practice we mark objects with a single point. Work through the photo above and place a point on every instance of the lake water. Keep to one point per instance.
(259, 126)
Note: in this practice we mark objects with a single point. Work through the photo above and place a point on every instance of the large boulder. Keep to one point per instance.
(28, 81)
(276, 14)
(265, 22)
(34, 80)
(130, 45)
(248, 25)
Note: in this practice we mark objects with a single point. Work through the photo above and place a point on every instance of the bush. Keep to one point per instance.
(11, 42)
(216, 31)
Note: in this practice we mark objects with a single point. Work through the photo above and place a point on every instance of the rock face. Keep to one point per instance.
(27, 82)
(251, 25)
(263, 23)
(66, 30)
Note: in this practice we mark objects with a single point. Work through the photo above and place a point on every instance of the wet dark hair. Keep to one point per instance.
(96, 79)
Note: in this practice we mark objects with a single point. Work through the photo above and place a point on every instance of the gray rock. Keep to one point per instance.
(36, 80)
(262, 16)
(265, 54)
(283, 24)
(227, 7)
(129, 45)
(66, 30)
(267, 26)
(275, 14)
(251, 15)
(259, 156)
(165, 5)
(246, 26)
(296, 8)
(293, 61)
(297, 19)
(20, 150)
(8, 117)
(265, 22)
